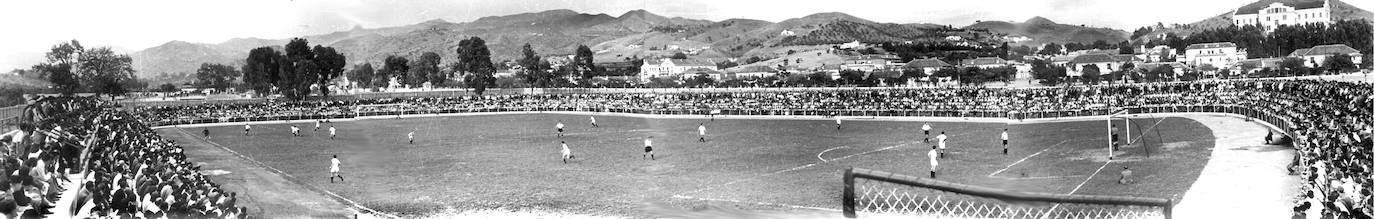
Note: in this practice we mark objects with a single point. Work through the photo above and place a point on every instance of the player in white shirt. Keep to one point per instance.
(934, 161)
(295, 131)
(941, 145)
(593, 118)
(701, 133)
(246, 128)
(332, 132)
(317, 125)
(411, 136)
(837, 123)
(334, 169)
(926, 128)
(567, 153)
(648, 148)
(560, 129)
(1004, 141)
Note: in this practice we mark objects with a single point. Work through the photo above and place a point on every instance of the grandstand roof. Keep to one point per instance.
(1254, 8)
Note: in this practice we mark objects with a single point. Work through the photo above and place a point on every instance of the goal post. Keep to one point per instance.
(1112, 131)
(883, 194)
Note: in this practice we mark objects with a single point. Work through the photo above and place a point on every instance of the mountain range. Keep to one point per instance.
(1041, 30)
(634, 34)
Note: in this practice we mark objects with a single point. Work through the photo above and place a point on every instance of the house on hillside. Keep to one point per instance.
(1218, 55)
(1254, 65)
(852, 45)
(1104, 62)
(671, 67)
(1272, 13)
(984, 62)
(757, 71)
(1095, 51)
(1316, 56)
(709, 72)
(869, 63)
(1179, 68)
(927, 66)
(1156, 54)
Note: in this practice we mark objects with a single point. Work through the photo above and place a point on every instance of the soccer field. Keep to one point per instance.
(513, 161)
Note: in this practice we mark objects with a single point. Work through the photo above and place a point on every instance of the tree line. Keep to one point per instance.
(72, 68)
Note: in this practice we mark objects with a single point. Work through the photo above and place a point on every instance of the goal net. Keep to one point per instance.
(870, 193)
(1125, 131)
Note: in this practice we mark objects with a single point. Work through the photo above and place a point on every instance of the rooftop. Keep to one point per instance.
(1254, 8)
(1325, 50)
(1211, 45)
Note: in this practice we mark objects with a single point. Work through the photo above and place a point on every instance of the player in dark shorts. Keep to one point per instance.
(648, 148)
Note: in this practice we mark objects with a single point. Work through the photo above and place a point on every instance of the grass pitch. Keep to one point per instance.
(513, 161)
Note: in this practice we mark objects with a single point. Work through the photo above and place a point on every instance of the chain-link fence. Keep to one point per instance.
(870, 193)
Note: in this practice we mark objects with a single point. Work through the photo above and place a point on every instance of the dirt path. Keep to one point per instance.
(1244, 179)
(266, 195)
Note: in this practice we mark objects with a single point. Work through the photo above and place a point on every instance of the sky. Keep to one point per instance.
(31, 27)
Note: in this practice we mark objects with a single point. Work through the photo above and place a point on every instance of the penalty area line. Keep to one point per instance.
(818, 155)
(288, 176)
(994, 173)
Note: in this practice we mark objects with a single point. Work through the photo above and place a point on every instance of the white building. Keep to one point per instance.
(1272, 13)
(671, 67)
(787, 33)
(852, 45)
(1106, 64)
(985, 62)
(1316, 56)
(1218, 55)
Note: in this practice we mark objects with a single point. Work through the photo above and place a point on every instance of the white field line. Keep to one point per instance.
(757, 203)
(1090, 177)
(1080, 185)
(287, 175)
(787, 170)
(994, 173)
(818, 155)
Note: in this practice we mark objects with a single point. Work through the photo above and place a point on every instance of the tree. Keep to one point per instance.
(298, 69)
(59, 68)
(1159, 72)
(852, 77)
(331, 65)
(1050, 49)
(394, 66)
(678, 55)
(534, 73)
(218, 76)
(362, 74)
(583, 62)
(424, 69)
(1339, 63)
(1125, 47)
(104, 71)
(261, 70)
(474, 61)
(168, 87)
(1292, 66)
(1091, 74)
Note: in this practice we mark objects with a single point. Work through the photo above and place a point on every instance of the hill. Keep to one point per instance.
(1339, 10)
(1041, 30)
(634, 34)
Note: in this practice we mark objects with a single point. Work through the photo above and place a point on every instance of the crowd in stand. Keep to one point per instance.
(1330, 121)
(118, 166)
